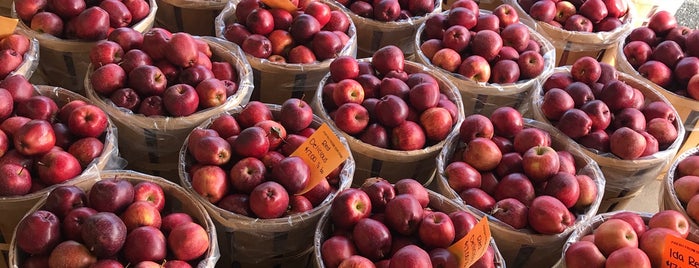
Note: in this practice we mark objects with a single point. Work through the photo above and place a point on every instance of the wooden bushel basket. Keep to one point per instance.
(625, 178)
(438, 202)
(687, 108)
(151, 144)
(30, 60)
(13, 209)
(176, 200)
(668, 196)
(277, 82)
(373, 34)
(65, 62)
(484, 98)
(195, 17)
(372, 161)
(247, 242)
(523, 248)
(587, 228)
(572, 45)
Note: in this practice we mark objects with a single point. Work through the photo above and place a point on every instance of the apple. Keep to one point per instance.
(547, 215)
(57, 166)
(47, 22)
(656, 72)
(614, 234)
(599, 113)
(507, 122)
(688, 166)
(73, 221)
(544, 10)
(461, 176)
(584, 254)
(575, 123)
(482, 154)
(211, 182)
(517, 186)
(16, 180)
(145, 243)
(539, 163)
(476, 68)
(410, 255)
(563, 186)
(447, 58)
(336, 249)
(388, 58)
(372, 238)
(111, 195)
(512, 212)
(403, 214)
(474, 126)
(627, 143)
(350, 206)
(478, 199)
(38, 232)
(670, 219)
(579, 23)
(104, 233)
(686, 188)
(380, 191)
(188, 241)
(141, 213)
(506, 15)
(634, 219)
(662, 22)
(71, 254)
(588, 191)
(652, 243)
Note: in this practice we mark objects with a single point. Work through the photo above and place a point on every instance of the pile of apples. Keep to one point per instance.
(512, 173)
(389, 10)
(159, 73)
(80, 19)
(578, 15)
(384, 225)
(42, 144)
(664, 53)
(12, 50)
(593, 107)
(483, 47)
(626, 239)
(117, 223)
(242, 164)
(686, 185)
(310, 34)
(381, 104)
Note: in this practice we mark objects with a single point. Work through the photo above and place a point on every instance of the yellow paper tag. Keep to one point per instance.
(7, 26)
(473, 245)
(680, 253)
(283, 4)
(323, 152)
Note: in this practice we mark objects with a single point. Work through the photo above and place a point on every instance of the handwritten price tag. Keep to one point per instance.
(680, 253)
(7, 26)
(323, 152)
(283, 4)
(473, 245)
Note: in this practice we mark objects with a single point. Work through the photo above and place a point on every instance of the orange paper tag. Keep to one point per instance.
(473, 245)
(7, 26)
(323, 152)
(680, 253)
(283, 4)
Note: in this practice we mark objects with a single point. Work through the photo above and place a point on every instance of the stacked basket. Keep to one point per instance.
(153, 142)
(256, 242)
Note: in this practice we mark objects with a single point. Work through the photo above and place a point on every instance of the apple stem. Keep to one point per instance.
(21, 170)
